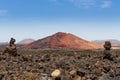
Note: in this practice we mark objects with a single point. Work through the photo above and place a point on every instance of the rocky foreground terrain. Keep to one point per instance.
(71, 64)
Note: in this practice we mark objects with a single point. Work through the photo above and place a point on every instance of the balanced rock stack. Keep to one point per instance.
(107, 53)
(11, 48)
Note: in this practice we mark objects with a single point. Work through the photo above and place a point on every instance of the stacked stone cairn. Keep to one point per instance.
(11, 48)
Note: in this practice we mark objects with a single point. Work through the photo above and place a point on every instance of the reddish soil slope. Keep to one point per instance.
(62, 41)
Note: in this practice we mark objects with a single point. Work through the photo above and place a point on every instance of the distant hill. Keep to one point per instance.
(3, 43)
(113, 41)
(26, 41)
(62, 41)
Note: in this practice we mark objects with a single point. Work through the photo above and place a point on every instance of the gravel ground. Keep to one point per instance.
(72, 64)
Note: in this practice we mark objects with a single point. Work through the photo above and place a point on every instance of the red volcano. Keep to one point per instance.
(62, 41)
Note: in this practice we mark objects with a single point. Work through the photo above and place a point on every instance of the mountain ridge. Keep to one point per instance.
(62, 40)
(113, 41)
(26, 41)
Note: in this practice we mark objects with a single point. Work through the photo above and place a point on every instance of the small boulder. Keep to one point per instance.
(56, 73)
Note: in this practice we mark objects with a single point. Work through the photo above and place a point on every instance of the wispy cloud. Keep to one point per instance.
(106, 4)
(3, 12)
(84, 3)
(89, 3)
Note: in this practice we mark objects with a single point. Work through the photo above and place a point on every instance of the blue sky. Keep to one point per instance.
(88, 19)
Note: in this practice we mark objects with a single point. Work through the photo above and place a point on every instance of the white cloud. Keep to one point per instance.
(106, 4)
(89, 3)
(84, 3)
(3, 12)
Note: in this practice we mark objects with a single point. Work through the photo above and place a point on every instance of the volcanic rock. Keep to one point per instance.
(56, 73)
(18, 68)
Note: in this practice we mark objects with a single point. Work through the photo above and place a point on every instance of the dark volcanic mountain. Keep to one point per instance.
(62, 41)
